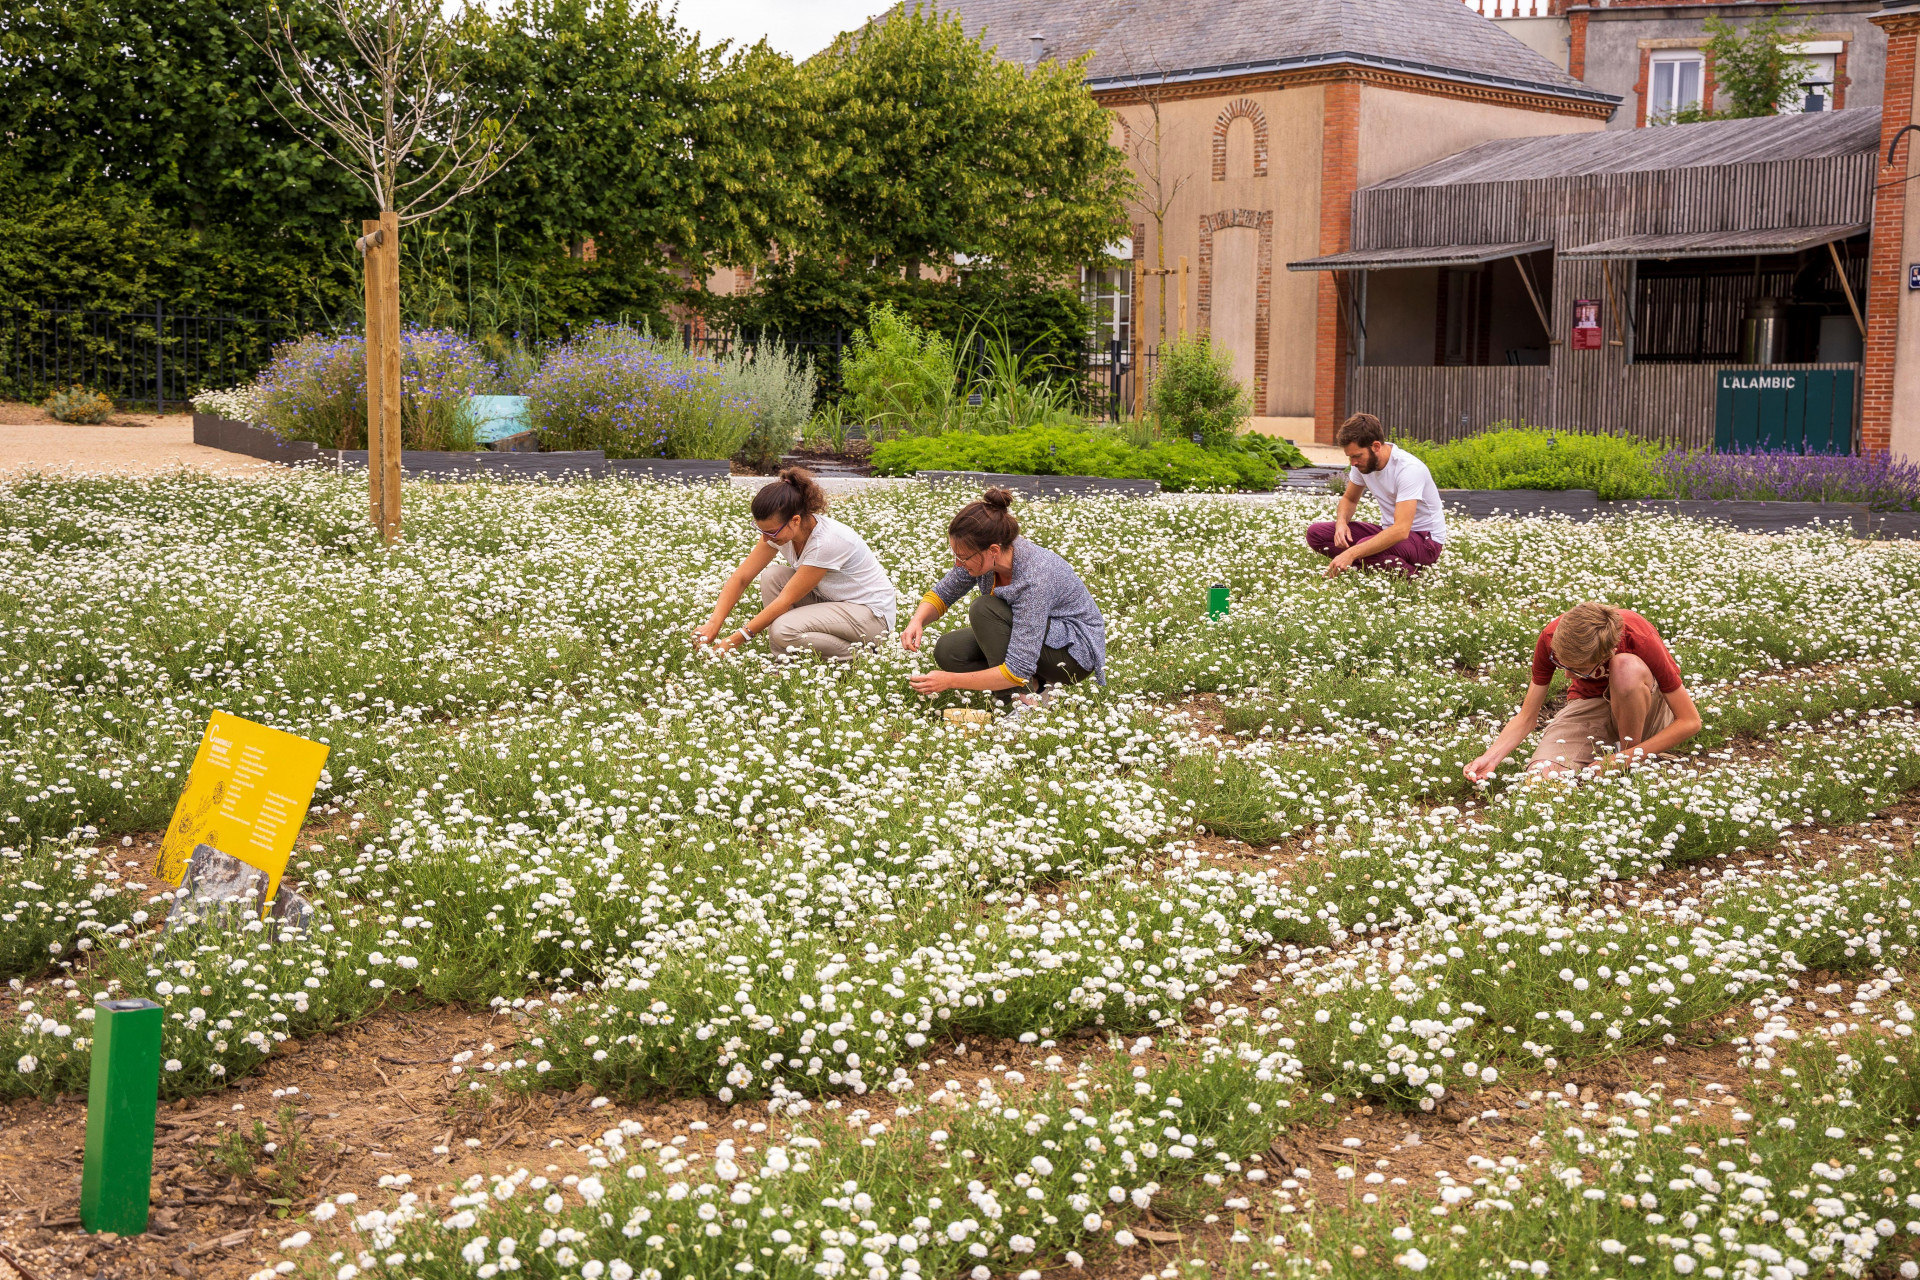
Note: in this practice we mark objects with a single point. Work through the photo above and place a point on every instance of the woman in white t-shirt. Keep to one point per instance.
(822, 587)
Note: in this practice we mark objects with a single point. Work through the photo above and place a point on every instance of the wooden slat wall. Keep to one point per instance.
(1673, 403)
(1588, 390)
(1441, 403)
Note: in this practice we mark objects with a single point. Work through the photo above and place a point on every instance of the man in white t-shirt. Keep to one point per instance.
(1415, 528)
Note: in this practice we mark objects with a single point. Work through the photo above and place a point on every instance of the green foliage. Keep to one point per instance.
(777, 383)
(1535, 458)
(56, 901)
(316, 390)
(933, 147)
(632, 395)
(516, 362)
(78, 404)
(661, 151)
(1282, 454)
(901, 379)
(928, 152)
(1017, 389)
(1194, 393)
(1058, 451)
(1752, 66)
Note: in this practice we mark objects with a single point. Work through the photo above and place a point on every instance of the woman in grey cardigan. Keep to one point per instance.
(1034, 623)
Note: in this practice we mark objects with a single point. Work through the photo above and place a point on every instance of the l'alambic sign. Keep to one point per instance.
(1799, 410)
(1733, 381)
(246, 795)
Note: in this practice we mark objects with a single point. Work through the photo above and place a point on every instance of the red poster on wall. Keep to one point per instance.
(1586, 324)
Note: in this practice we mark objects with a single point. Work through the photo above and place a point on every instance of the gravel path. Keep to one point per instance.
(127, 444)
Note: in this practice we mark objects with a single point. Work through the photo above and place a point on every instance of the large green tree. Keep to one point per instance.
(933, 157)
(640, 139)
(935, 147)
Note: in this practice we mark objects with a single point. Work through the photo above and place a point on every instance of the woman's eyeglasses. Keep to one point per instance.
(773, 535)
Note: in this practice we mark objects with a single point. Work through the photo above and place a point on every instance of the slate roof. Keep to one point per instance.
(1148, 41)
(1686, 146)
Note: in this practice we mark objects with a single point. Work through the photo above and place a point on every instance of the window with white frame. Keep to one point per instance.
(1673, 84)
(1819, 63)
(1107, 290)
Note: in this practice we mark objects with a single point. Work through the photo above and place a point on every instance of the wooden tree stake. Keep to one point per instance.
(389, 459)
(1183, 298)
(373, 262)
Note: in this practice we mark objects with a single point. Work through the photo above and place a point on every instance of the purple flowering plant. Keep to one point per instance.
(632, 395)
(1880, 481)
(316, 389)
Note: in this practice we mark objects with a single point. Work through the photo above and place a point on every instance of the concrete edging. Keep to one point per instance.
(257, 442)
(1046, 486)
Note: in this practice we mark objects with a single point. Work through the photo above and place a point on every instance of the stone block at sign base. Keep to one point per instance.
(521, 442)
(220, 888)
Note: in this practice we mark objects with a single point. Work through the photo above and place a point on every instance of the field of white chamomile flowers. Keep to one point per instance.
(789, 888)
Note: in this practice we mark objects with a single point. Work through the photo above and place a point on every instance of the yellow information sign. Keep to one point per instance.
(246, 795)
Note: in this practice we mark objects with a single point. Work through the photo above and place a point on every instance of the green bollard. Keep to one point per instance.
(122, 1095)
(1217, 600)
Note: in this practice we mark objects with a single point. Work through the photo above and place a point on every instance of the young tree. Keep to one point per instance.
(1753, 65)
(1157, 190)
(396, 115)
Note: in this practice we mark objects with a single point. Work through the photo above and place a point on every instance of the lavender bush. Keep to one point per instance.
(316, 389)
(1875, 479)
(636, 396)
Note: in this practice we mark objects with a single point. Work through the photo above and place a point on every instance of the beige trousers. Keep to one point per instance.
(828, 627)
(1571, 739)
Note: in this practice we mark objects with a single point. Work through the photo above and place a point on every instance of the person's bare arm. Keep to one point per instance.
(990, 680)
(931, 610)
(1385, 540)
(730, 592)
(803, 581)
(1523, 723)
(1343, 515)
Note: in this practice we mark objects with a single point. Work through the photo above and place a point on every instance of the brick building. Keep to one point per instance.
(1250, 124)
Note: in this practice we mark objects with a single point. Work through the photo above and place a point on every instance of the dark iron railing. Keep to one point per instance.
(155, 358)
(149, 358)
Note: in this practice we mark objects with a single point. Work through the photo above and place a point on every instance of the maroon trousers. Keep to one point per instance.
(1411, 556)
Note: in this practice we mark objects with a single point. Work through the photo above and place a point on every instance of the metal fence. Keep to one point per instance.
(149, 358)
(157, 359)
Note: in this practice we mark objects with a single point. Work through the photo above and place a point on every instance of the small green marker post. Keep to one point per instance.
(1217, 600)
(122, 1096)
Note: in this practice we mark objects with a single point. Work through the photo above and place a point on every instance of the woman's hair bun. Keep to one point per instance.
(1002, 498)
(793, 491)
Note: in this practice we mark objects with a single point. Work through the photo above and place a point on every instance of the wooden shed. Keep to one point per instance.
(1606, 281)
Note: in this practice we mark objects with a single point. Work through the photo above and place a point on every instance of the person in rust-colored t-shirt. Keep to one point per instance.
(1625, 691)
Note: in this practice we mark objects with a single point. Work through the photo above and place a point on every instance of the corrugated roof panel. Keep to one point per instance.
(1721, 142)
(1450, 255)
(1716, 244)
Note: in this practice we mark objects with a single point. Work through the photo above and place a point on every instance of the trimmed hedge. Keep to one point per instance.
(1056, 451)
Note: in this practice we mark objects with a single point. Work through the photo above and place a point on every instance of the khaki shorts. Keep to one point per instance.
(1572, 738)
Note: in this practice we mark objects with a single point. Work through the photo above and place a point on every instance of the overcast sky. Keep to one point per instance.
(798, 28)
